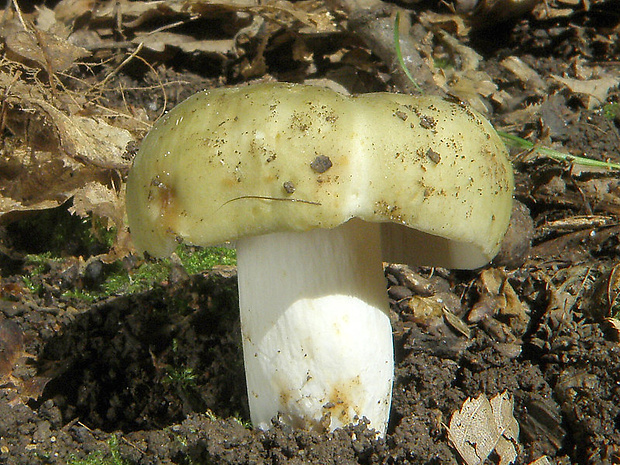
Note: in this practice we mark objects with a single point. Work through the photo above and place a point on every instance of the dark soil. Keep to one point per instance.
(156, 377)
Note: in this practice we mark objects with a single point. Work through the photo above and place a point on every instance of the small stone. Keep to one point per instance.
(321, 164)
(289, 187)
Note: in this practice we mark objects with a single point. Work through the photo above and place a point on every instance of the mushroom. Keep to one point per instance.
(317, 189)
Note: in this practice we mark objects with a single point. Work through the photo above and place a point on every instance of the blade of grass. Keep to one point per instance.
(516, 141)
(399, 53)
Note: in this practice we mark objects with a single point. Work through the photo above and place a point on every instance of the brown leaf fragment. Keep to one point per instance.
(604, 303)
(32, 388)
(482, 426)
(51, 155)
(45, 20)
(498, 296)
(614, 324)
(544, 12)
(473, 431)
(159, 41)
(88, 139)
(42, 182)
(470, 58)
(68, 11)
(595, 90)
(506, 448)
(21, 391)
(450, 22)
(134, 14)
(40, 49)
(422, 310)
(11, 348)
(456, 323)
(96, 198)
(544, 460)
(466, 82)
(527, 75)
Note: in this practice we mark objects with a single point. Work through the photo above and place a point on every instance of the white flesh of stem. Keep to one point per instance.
(317, 338)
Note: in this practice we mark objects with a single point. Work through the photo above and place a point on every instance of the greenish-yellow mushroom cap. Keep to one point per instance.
(231, 163)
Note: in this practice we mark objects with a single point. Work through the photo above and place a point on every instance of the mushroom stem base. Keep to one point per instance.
(317, 338)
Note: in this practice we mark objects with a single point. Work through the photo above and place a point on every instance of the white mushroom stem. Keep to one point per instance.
(317, 338)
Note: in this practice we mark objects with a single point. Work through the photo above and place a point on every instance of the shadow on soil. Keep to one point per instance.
(145, 361)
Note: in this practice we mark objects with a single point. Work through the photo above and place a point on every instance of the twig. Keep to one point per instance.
(119, 67)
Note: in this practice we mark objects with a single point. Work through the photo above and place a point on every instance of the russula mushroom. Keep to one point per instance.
(317, 189)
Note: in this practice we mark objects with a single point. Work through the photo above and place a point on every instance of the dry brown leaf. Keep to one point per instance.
(473, 431)
(470, 86)
(425, 311)
(31, 388)
(37, 180)
(504, 301)
(89, 140)
(506, 448)
(596, 89)
(41, 49)
(134, 14)
(449, 22)
(614, 323)
(99, 200)
(482, 426)
(550, 10)
(313, 16)
(470, 59)
(54, 155)
(544, 460)
(456, 323)
(158, 42)
(466, 82)
(11, 352)
(11, 347)
(68, 11)
(56, 146)
(45, 20)
(527, 75)
(318, 17)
